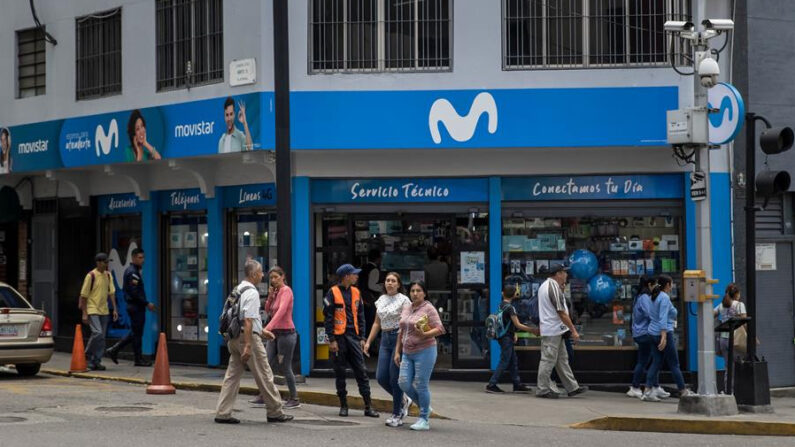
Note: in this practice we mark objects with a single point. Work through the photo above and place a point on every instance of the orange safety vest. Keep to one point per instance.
(340, 320)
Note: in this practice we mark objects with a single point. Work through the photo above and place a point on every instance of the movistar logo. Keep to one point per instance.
(462, 128)
(103, 140)
(725, 112)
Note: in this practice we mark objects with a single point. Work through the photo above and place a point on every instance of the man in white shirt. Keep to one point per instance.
(244, 349)
(555, 325)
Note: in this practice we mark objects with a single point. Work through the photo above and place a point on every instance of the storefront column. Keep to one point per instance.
(215, 275)
(303, 306)
(720, 207)
(149, 242)
(495, 257)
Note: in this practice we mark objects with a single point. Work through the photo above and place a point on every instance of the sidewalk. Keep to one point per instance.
(467, 401)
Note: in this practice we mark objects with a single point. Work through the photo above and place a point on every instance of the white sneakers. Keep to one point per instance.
(649, 396)
(686, 392)
(661, 393)
(635, 392)
(394, 421)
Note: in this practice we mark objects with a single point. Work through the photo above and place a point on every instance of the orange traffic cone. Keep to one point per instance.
(78, 352)
(161, 377)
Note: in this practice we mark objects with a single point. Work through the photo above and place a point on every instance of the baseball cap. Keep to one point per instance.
(347, 269)
(555, 268)
(100, 257)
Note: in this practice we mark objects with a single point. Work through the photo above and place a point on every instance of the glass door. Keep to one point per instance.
(187, 277)
(120, 235)
(252, 236)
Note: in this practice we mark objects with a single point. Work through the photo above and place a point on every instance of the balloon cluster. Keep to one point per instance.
(584, 265)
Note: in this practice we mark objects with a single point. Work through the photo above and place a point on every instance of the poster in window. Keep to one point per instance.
(473, 267)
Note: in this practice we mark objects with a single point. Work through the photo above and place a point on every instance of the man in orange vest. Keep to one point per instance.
(343, 309)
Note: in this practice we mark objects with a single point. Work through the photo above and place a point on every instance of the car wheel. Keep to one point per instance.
(28, 369)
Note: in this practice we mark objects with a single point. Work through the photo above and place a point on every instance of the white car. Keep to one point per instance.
(25, 333)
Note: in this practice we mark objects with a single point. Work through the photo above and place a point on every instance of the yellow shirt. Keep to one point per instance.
(97, 297)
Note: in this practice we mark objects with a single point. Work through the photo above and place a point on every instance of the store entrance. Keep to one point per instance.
(426, 247)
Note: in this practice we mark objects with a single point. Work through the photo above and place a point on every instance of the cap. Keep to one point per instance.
(555, 268)
(100, 257)
(347, 269)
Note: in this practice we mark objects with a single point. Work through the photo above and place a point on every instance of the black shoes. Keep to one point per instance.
(343, 412)
(113, 354)
(494, 389)
(369, 412)
(521, 388)
(229, 420)
(282, 418)
(343, 406)
(97, 367)
(143, 362)
(548, 395)
(579, 390)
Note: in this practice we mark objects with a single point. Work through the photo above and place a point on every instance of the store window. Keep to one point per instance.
(447, 251)
(120, 236)
(624, 248)
(187, 277)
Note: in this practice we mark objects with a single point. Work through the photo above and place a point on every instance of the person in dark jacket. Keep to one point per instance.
(135, 295)
(344, 323)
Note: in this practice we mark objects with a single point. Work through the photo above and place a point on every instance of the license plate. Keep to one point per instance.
(10, 330)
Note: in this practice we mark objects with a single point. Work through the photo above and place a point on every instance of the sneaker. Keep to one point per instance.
(686, 392)
(548, 395)
(257, 403)
(494, 389)
(634, 392)
(281, 418)
(229, 420)
(661, 393)
(522, 388)
(649, 396)
(421, 424)
(579, 390)
(291, 404)
(404, 411)
(394, 421)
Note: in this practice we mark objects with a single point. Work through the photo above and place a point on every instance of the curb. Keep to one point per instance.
(309, 397)
(692, 426)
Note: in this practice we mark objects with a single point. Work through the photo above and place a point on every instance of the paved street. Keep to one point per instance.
(48, 410)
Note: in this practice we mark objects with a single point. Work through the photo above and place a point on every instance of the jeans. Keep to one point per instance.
(137, 320)
(415, 373)
(350, 353)
(508, 361)
(280, 357)
(387, 372)
(95, 348)
(645, 346)
(724, 348)
(669, 356)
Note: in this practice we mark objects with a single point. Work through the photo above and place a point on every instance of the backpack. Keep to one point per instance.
(495, 327)
(229, 323)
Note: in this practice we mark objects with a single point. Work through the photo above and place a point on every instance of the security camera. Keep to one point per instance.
(718, 24)
(709, 72)
(676, 26)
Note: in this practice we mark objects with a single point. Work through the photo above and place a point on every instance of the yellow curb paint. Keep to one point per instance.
(693, 426)
(309, 397)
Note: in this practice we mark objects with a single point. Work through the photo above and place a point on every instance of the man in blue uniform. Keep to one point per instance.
(137, 304)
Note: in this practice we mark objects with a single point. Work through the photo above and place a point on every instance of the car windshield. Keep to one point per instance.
(9, 298)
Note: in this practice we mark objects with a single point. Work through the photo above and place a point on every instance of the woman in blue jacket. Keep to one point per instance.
(662, 321)
(640, 333)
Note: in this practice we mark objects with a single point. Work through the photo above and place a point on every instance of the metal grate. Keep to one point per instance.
(190, 43)
(31, 63)
(770, 220)
(380, 35)
(99, 54)
(545, 34)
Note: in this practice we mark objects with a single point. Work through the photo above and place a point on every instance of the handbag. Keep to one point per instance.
(740, 340)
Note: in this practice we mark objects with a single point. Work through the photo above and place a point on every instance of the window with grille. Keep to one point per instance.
(190, 43)
(98, 46)
(591, 33)
(31, 64)
(380, 35)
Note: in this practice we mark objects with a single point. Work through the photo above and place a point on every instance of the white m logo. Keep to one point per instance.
(102, 140)
(461, 128)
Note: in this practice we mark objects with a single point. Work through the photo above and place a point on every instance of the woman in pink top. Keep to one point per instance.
(279, 307)
(416, 350)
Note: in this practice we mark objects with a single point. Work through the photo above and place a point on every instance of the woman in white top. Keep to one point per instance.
(730, 307)
(389, 307)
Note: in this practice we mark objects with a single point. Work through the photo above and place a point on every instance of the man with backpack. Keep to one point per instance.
(97, 288)
(505, 323)
(240, 322)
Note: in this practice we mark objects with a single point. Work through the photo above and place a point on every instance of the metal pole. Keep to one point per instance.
(281, 85)
(706, 331)
(750, 230)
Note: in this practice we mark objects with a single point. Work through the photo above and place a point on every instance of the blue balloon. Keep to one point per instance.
(583, 264)
(601, 289)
